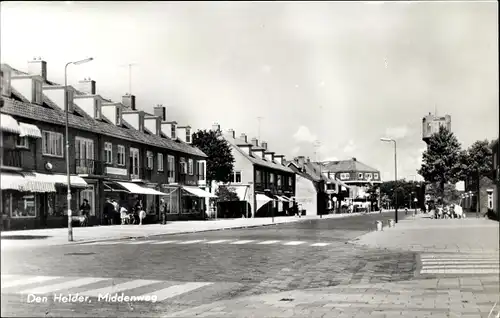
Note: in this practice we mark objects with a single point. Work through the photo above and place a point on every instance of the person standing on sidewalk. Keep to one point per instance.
(163, 212)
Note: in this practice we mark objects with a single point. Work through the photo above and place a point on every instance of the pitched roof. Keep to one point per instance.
(57, 116)
(347, 165)
(234, 142)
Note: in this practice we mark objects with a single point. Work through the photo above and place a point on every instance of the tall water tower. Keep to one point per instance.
(431, 124)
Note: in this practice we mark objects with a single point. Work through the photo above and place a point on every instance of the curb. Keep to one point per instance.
(199, 231)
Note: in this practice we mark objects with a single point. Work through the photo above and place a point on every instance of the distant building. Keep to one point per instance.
(431, 124)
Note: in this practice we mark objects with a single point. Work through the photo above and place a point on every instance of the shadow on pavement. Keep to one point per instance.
(25, 237)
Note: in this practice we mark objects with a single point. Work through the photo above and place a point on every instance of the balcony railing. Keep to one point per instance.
(89, 167)
(12, 158)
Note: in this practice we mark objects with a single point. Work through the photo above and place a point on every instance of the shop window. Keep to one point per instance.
(22, 142)
(258, 176)
(88, 194)
(57, 203)
(171, 200)
(151, 204)
(22, 205)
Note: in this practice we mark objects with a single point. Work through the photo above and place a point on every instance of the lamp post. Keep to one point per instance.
(395, 173)
(66, 107)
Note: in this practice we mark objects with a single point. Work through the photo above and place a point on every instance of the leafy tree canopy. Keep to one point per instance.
(479, 159)
(225, 193)
(403, 190)
(441, 161)
(220, 159)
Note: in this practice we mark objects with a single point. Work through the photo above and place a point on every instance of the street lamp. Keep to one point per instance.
(395, 173)
(66, 108)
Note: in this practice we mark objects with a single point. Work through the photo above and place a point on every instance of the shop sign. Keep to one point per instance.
(116, 171)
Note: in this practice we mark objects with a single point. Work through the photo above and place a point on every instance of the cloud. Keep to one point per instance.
(331, 159)
(304, 134)
(396, 132)
(350, 147)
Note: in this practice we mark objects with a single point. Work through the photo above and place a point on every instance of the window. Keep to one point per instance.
(22, 205)
(183, 165)
(188, 135)
(375, 176)
(108, 152)
(258, 176)
(237, 176)
(121, 155)
(37, 92)
(97, 109)
(149, 155)
(201, 170)
(160, 162)
(271, 178)
(279, 180)
(360, 175)
(368, 176)
(171, 168)
(84, 148)
(344, 176)
(52, 144)
(22, 142)
(172, 131)
(118, 116)
(190, 167)
(290, 181)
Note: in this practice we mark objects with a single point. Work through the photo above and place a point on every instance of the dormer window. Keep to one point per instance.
(118, 116)
(37, 92)
(188, 135)
(172, 132)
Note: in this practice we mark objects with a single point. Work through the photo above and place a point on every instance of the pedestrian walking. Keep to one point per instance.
(142, 216)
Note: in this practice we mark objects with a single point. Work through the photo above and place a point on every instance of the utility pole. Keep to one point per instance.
(317, 144)
(259, 120)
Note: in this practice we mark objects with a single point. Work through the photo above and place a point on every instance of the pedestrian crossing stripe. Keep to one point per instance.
(460, 264)
(204, 241)
(97, 287)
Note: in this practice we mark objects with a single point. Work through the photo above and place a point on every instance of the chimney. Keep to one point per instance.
(38, 67)
(244, 137)
(231, 133)
(129, 101)
(264, 144)
(161, 112)
(87, 86)
(353, 159)
(255, 142)
(301, 160)
(308, 160)
(216, 127)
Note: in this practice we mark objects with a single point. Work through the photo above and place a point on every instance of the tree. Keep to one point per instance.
(441, 160)
(225, 193)
(404, 190)
(220, 159)
(479, 164)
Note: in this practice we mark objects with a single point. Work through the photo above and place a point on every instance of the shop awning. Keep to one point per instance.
(29, 130)
(9, 124)
(199, 192)
(137, 189)
(42, 181)
(261, 200)
(113, 187)
(242, 192)
(11, 181)
(286, 198)
(280, 198)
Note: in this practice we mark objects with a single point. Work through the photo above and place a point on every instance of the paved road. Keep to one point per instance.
(182, 271)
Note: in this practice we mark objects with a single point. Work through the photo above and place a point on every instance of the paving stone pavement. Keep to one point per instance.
(436, 297)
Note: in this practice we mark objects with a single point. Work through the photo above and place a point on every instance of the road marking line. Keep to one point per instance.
(118, 288)
(243, 242)
(461, 262)
(459, 271)
(63, 286)
(175, 290)
(139, 242)
(463, 266)
(218, 241)
(294, 243)
(320, 244)
(102, 243)
(268, 242)
(191, 242)
(28, 280)
(166, 242)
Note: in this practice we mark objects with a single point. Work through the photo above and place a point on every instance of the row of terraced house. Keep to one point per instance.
(120, 152)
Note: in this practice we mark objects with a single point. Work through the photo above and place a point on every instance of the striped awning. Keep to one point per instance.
(9, 124)
(42, 179)
(11, 181)
(29, 130)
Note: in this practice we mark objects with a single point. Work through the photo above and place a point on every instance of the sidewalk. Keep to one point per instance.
(59, 236)
(447, 297)
(422, 234)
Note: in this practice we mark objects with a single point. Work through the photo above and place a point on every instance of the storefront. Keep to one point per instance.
(36, 200)
(185, 202)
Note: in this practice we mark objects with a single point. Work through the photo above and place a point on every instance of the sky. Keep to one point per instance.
(328, 79)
